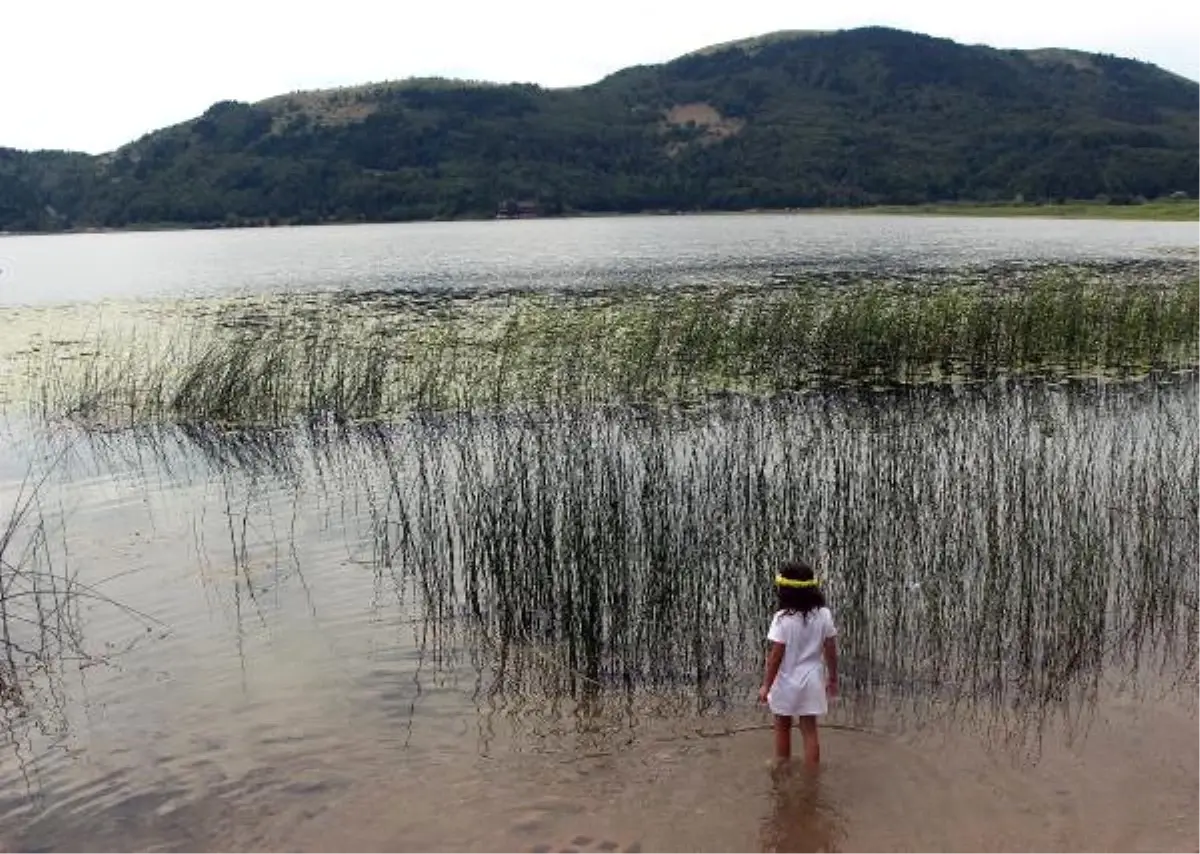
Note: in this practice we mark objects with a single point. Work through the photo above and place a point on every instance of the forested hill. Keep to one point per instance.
(788, 120)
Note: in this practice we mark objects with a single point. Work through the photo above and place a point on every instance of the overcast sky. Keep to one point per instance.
(93, 75)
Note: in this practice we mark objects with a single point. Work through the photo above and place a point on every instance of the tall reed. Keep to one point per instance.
(988, 551)
(380, 358)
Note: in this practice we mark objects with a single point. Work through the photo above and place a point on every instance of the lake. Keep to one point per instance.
(534, 619)
(552, 253)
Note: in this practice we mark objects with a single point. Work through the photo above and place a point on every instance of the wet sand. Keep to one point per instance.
(1129, 783)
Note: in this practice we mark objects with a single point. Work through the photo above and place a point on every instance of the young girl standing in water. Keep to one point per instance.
(802, 660)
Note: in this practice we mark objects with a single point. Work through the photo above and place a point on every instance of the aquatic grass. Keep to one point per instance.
(379, 360)
(992, 551)
(41, 595)
(35, 618)
(584, 494)
(969, 547)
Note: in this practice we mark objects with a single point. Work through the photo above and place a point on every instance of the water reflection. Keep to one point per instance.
(801, 818)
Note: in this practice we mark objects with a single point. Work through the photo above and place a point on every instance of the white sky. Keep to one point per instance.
(92, 75)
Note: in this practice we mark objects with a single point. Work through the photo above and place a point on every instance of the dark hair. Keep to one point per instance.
(800, 600)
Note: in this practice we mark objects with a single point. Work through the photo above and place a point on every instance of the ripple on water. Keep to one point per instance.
(244, 662)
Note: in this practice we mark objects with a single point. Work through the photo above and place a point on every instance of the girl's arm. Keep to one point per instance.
(831, 662)
(774, 659)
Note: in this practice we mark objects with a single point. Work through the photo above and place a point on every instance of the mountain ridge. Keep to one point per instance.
(790, 119)
(1063, 55)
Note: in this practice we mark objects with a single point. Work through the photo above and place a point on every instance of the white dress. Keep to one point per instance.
(799, 687)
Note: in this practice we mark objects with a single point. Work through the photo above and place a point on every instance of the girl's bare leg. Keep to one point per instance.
(783, 737)
(812, 742)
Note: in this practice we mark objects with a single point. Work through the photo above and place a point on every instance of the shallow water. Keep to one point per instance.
(297, 674)
(376, 638)
(934, 791)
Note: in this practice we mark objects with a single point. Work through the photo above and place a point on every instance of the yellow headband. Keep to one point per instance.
(780, 581)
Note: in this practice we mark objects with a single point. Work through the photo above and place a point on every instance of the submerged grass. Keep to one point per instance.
(373, 357)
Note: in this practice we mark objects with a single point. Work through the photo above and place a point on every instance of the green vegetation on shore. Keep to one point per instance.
(851, 119)
(1160, 210)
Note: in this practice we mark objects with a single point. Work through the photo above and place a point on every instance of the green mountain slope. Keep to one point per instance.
(786, 120)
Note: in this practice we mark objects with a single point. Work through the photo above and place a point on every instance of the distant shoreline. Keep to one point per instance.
(1159, 210)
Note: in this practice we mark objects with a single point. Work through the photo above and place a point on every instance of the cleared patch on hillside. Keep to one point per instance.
(327, 107)
(710, 126)
(1061, 56)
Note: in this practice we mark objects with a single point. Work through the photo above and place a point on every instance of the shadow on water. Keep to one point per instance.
(992, 555)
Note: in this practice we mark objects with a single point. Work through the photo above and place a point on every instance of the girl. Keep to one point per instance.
(802, 634)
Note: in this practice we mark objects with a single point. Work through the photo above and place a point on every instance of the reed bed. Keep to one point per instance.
(990, 551)
(375, 357)
(586, 494)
